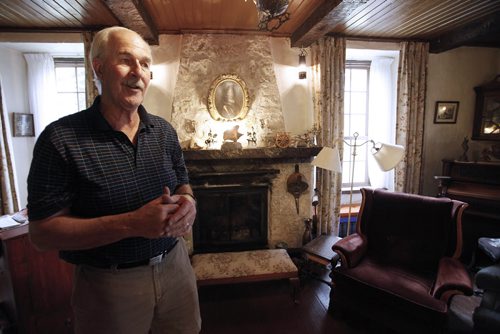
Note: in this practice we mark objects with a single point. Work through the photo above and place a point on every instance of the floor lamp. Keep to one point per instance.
(387, 157)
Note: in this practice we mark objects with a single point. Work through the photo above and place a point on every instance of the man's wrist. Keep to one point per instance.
(189, 196)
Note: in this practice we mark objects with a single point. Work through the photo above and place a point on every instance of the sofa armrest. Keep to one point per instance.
(452, 278)
(351, 250)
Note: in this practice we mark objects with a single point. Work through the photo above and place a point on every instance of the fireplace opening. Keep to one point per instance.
(231, 218)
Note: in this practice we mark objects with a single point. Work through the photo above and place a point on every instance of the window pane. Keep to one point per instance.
(80, 75)
(67, 103)
(359, 172)
(81, 101)
(358, 103)
(359, 80)
(347, 84)
(358, 124)
(65, 78)
(355, 120)
(70, 78)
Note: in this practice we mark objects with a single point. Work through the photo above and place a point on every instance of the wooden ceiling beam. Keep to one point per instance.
(322, 20)
(134, 16)
(471, 34)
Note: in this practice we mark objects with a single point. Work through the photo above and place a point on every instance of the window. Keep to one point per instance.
(70, 82)
(356, 96)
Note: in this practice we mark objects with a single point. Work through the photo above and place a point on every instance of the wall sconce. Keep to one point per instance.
(302, 64)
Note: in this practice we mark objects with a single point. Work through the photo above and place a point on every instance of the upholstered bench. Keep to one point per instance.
(247, 266)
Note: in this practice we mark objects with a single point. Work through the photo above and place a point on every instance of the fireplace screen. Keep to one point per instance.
(231, 218)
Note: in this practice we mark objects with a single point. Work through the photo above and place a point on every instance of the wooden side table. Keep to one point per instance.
(320, 251)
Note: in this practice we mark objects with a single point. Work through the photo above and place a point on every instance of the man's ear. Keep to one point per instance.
(97, 65)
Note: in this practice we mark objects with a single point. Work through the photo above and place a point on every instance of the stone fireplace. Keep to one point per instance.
(243, 201)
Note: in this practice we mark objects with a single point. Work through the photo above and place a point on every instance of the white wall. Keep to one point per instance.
(14, 82)
(452, 76)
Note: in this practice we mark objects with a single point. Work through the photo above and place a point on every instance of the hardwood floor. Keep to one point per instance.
(267, 307)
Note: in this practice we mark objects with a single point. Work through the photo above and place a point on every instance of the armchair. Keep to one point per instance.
(402, 265)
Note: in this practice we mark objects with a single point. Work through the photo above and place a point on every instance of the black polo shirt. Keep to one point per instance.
(80, 162)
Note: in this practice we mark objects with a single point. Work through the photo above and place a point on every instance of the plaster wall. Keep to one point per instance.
(452, 76)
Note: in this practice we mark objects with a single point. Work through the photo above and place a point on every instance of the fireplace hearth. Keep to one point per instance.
(242, 199)
(231, 218)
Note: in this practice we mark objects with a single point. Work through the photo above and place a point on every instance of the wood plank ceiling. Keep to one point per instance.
(446, 24)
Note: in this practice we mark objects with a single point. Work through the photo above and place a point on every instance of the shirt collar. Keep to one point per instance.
(100, 123)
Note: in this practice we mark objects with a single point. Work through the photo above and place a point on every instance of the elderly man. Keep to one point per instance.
(108, 188)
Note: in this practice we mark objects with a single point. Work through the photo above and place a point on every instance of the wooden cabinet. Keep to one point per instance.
(35, 287)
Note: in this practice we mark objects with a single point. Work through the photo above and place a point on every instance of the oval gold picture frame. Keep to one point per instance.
(228, 98)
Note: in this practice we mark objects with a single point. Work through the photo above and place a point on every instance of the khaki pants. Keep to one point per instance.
(162, 298)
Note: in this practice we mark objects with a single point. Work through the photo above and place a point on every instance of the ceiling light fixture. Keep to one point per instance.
(272, 13)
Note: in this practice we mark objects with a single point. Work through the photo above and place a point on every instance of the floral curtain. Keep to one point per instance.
(9, 200)
(412, 78)
(90, 88)
(328, 73)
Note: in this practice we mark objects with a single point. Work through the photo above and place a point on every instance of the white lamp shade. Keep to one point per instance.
(328, 158)
(388, 156)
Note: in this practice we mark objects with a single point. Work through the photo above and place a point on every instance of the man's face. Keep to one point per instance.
(125, 70)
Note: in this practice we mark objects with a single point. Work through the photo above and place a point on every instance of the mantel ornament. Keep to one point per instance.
(228, 98)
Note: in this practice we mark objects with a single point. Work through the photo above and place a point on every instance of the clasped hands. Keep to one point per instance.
(168, 215)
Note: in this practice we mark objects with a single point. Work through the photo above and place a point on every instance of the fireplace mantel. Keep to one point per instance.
(262, 155)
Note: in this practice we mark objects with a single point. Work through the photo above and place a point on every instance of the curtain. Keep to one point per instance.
(9, 198)
(412, 77)
(90, 88)
(381, 111)
(328, 73)
(41, 89)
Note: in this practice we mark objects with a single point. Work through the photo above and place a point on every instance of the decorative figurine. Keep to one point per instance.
(252, 137)
(307, 237)
(231, 137)
(211, 139)
(465, 147)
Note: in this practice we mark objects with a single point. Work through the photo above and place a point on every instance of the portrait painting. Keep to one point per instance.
(228, 98)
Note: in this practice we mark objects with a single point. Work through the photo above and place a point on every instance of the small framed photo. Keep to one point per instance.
(23, 125)
(446, 112)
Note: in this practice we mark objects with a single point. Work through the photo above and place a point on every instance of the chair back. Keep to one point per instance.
(408, 230)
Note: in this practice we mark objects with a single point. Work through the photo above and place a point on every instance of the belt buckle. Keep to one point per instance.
(155, 260)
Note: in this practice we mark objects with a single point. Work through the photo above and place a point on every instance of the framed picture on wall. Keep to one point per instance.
(446, 112)
(228, 98)
(23, 125)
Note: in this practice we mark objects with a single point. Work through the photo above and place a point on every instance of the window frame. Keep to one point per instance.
(75, 63)
(346, 180)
